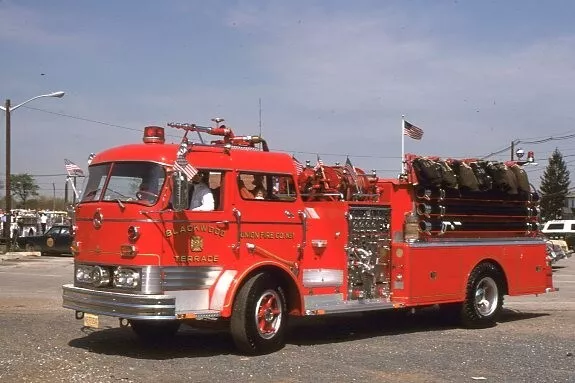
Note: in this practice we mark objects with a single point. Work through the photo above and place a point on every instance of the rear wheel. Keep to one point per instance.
(484, 297)
(155, 329)
(29, 247)
(259, 317)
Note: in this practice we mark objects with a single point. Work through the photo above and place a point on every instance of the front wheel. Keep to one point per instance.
(484, 297)
(259, 316)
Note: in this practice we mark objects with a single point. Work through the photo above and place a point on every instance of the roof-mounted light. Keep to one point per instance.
(154, 135)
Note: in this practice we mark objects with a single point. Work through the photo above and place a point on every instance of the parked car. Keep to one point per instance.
(561, 236)
(57, 240)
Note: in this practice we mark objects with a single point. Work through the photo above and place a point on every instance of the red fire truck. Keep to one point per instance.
(319, 241)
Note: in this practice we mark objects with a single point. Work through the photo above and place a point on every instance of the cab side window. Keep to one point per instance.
(214, 180)
(266, 187)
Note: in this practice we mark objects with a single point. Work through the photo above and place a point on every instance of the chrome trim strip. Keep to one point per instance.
(151, 280)
(478, 242)
(221, 289)
(149, 220)
(116, 220)
(191, 300)
(189, 277)
(156, 280)
(334, 304)
(322, 277)
(271, 223)
(130, 306)
(219, 221)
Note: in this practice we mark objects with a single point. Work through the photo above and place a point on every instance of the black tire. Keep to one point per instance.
(483, 298)
(154, 330)
(30, 247)
(259, 316)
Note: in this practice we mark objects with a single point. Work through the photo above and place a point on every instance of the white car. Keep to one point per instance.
(557, 231)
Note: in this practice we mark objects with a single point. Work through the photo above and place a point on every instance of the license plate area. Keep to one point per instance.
(91, 320)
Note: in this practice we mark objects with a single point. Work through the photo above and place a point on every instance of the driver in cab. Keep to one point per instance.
(202, 197)
(145, 194)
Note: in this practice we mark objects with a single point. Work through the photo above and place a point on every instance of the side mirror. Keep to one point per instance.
(179, 191)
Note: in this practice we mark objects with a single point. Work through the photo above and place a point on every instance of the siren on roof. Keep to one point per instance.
(154, 135)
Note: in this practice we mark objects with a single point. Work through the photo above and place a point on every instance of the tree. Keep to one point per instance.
(554, 187)
(23, 186)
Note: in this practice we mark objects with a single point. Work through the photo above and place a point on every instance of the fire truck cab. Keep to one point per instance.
(285, 240)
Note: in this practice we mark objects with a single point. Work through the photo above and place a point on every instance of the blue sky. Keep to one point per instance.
(334, 77)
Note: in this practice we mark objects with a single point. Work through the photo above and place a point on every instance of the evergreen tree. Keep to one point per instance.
(554, 187)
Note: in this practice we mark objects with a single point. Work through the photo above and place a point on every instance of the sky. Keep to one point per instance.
(333, 78)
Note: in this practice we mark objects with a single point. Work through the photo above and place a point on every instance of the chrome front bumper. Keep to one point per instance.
(120, 305)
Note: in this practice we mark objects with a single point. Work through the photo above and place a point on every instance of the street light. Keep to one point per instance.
(8, 110)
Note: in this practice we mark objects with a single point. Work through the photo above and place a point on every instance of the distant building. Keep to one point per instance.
(569, 209)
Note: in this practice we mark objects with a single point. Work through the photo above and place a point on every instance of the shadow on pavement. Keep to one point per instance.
(188, 343)
(201, 342)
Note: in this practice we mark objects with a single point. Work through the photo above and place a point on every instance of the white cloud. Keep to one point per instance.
(362, 65)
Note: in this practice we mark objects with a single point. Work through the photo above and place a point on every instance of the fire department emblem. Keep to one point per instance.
(196, 243)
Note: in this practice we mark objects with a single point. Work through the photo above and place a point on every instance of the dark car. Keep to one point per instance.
(57, 240)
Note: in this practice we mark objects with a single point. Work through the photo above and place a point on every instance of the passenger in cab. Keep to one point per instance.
(202, 197)
(244, 191)
(259, 190)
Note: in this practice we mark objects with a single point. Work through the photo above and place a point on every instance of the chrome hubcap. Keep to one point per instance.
(486, 296)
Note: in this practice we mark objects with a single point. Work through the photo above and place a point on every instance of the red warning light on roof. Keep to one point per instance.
(154, 135)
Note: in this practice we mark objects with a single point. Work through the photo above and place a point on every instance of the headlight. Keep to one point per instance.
(100, 276)
(127, 278)
(83, 273)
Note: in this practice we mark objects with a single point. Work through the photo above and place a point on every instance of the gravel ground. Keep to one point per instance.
(42, 342)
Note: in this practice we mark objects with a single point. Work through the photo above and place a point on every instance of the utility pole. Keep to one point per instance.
(54, 196)
(8, 109)
(8, 215)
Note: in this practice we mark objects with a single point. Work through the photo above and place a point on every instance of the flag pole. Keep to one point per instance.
(73, 184)
(403, 170)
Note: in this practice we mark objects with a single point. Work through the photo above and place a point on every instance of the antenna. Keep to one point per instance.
(260, 110)
(260, 125)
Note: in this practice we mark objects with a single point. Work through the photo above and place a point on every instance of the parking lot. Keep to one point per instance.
(42, 342)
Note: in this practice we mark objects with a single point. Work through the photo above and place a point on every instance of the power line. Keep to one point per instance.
(505, 149)
(90, 120)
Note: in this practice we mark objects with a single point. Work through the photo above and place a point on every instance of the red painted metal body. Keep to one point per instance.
(332, 254)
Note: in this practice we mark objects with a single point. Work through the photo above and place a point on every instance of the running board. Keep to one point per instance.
(334, 304)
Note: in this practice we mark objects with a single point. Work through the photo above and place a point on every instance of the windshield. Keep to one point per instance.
(138, 182)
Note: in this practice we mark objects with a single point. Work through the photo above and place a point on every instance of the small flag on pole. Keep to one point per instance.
(319, 164)
(412, 131)
(298, 165)
(72, 169)
(350, 169)
(181, 164)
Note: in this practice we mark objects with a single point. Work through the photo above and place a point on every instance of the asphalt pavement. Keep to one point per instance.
(14, 255)
(534, 341)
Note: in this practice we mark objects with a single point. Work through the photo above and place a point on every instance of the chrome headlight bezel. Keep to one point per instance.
(126, 278)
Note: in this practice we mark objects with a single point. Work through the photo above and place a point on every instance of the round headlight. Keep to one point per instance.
(83, 273)
(100, 276)
(124, 277)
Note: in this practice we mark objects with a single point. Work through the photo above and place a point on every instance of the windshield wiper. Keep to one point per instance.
(120, 203)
